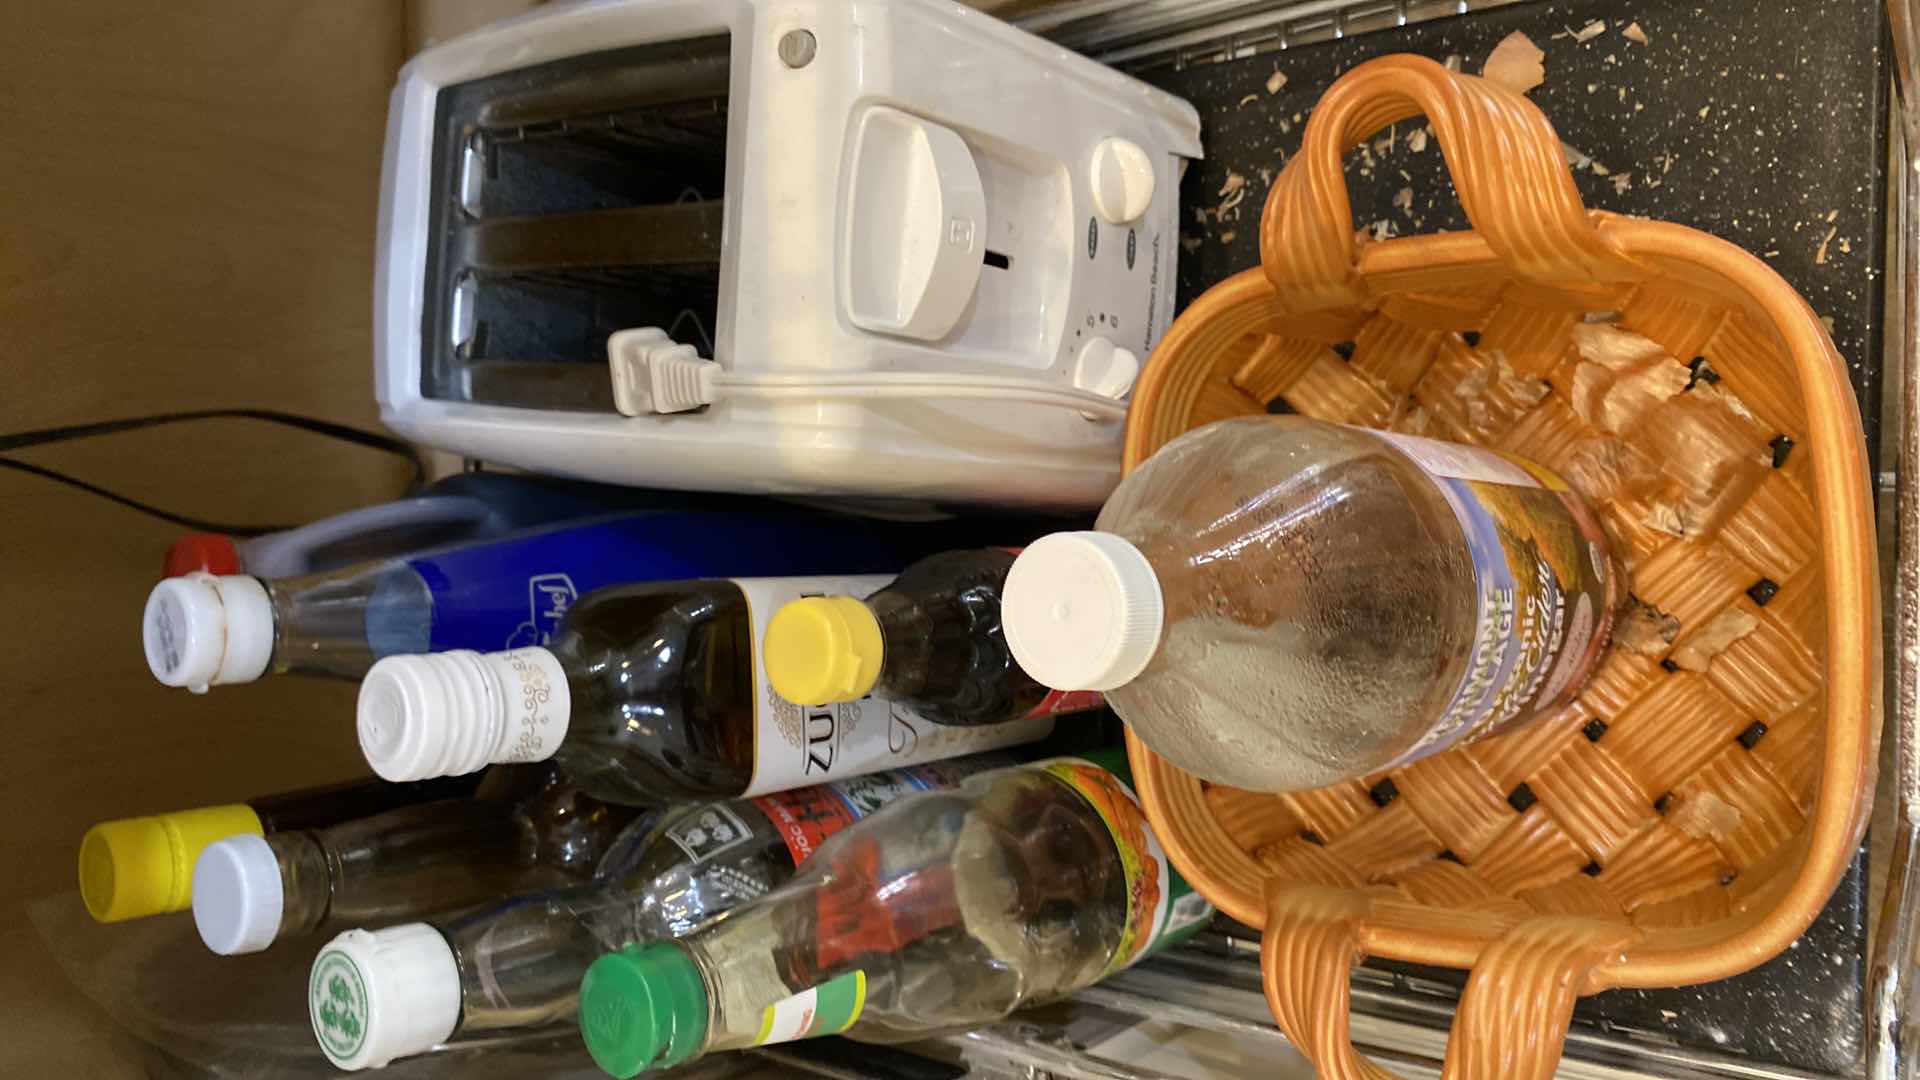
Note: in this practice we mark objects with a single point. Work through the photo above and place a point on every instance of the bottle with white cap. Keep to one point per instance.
(517, 965)
(1278, 604)
(251, 890)
(650, 694)
(131, 868)
(202, 630)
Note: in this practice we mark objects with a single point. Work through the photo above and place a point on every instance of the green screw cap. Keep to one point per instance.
(643, 1007)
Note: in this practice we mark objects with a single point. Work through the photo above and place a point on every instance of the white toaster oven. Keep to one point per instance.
(858, 247)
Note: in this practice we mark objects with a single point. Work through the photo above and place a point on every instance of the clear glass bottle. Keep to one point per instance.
(1278, 604)
(200, 630)
(250, 891)
(651, 694)
(931, 639)
(518, 965)
(131, 868)
(942, 912)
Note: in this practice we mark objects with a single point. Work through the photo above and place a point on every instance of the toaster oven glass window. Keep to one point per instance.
(571, 200)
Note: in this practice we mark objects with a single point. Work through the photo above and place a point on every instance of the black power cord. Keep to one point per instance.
(342, 432)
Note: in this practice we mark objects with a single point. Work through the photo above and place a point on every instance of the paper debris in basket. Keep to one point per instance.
(1644, 629)
(1625, 377)
(1698, 651)
(1515, 63)
(1705, 816)
(1705, 442)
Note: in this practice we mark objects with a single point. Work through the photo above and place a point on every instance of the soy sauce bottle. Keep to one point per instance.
(650, 694)
(931, 639)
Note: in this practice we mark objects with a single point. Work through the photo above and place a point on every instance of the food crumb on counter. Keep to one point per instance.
(1586, 33)
(1820, 253)
(1634, 33)
(1275, 81)
(1515, 63)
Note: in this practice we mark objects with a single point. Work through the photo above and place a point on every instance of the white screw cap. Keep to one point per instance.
(1082, 611)
(237, 895)
(452, 713)
(200, 630)
(377, 995)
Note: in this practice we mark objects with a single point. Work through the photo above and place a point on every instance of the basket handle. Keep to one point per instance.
(1504, 159)
(1511, 1022)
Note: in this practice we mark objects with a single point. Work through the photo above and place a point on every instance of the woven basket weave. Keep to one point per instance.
(1675, 824)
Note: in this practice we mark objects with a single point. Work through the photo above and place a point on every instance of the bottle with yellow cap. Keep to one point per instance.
(931, 639)
(131, 868)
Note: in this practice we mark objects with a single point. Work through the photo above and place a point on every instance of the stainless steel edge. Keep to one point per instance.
(1891, 991)
(1138, 34)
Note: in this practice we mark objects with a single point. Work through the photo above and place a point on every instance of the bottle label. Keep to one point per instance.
(827, 1009)
(796, 746)
(1543, 587)
(1067, 701)
(1162, 909)
(807, 816)
(715, 830)
(515, 591)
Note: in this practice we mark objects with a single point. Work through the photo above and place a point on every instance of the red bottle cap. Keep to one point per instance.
(211, 552)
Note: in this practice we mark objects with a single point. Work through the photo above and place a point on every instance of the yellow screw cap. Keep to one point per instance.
(135, 867)
(822, 649)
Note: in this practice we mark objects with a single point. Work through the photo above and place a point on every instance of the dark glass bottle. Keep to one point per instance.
(931, 639)
(650, 694)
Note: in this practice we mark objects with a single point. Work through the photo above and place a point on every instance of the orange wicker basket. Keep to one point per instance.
(1679, 822)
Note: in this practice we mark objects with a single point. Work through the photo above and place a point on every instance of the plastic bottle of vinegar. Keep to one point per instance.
(1278, 604)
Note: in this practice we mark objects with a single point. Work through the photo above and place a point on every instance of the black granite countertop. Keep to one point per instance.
(1762, 123)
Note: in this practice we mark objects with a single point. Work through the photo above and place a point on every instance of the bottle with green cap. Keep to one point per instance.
(131, 868)
(250, 891)
(941, 912)
(931, 639)
(651, 694)
(517, 965)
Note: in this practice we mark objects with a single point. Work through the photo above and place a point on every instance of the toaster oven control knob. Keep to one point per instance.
(1122, 180)
(915, 230)
(1105, 368)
